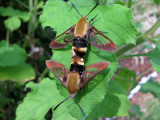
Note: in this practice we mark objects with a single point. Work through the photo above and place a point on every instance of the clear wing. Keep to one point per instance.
(91, 71)
(63, 39)
(99, 40)
(58, 70)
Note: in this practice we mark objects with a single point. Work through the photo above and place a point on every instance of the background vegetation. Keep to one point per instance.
(27, 28)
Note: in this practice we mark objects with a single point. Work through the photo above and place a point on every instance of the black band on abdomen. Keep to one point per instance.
(77, 68)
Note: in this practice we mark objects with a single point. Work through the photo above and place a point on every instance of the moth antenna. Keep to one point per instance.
(92, 9)
(60, 104)
(79, 107)
(76, 9)
(92, 19)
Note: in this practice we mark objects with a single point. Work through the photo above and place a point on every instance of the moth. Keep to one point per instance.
(82, 34)
(71, 79)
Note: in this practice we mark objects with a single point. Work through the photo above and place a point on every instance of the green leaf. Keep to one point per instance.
(154, 57)
(36, 104)
(116, 20)
(19, 73)
(9, 11)
(127, 78)
(152, 87)
(115, 103)
(137, 110)
(11, 56)
(12, 23)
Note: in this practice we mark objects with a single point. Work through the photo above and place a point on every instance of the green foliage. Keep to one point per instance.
(115, 103)
(127, 78)
(12, 64)
(12, 23)
(136, 110)
(152, 108)
(110, 19)
(154, 57)
(19, 73)
(11, 55)
(152, 87)
(157, 1)
(9, 11)
(36, 104)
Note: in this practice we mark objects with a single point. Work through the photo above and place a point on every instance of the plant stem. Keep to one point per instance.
(43, 74)
(124, 49)
(7, 37)
(24, 5)
(143, 73)
(129, 3)
(156, 36)
(154, 27)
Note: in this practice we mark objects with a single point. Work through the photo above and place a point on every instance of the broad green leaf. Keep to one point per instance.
(152, 87)
(136, 109)
(97, 86)
(127, 78)
(19, 73)
(115, 103)
(12, 23)
(36, 104)
(9, 11)
(11, 55)
(116, 20)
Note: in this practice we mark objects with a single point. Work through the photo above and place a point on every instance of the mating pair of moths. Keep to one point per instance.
(81, 35)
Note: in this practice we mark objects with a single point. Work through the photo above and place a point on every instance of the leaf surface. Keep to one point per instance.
(37, 103)
(19, 73)
(115, 103)
(127, 78)
(152, 87)
(11, 55)
(9, 11)
(12, 23)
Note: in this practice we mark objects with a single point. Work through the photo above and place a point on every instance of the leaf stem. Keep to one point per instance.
(154, 27)
(143, 73)
(24, 5)
(129, 3)
(7, 36)
(156, 36)
(124, 49)
(43, 74)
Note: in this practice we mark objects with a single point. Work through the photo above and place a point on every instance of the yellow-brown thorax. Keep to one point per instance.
(81, 27)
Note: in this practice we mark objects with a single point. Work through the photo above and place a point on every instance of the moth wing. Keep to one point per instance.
(91, 71)
(63, 39)
(99, 40)
(58, 70)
